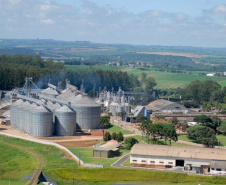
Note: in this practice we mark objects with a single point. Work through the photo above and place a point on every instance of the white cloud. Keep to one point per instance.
(30, 19)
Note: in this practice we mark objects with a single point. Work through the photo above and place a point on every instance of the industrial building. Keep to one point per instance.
(107, 150)
(53, 112)
(164, 106)
(196, 160)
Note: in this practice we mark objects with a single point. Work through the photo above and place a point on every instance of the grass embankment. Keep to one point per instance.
(117, 129)
(118, 175)
(19, 158)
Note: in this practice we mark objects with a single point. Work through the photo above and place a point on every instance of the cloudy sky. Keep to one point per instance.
(146, 22)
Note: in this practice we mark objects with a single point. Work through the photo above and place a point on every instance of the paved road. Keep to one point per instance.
(118, 163)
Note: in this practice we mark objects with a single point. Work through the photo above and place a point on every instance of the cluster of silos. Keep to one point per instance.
(32, 119)
(116, 103)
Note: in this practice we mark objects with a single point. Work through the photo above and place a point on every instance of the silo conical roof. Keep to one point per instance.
(64, 108)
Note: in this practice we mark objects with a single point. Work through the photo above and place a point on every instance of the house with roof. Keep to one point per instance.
(165, 106)
(107, 150)
(191, 159)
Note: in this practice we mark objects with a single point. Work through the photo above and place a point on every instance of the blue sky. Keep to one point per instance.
(146, 22)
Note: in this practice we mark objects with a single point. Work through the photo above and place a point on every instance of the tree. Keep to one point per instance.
(184, 126)
(149, 85)
(204, 120)
(114, 136)
(107, 136)
(175, 121)
(222, 128)
(130, 142)
(119, 137)
(104, 122)
(202, 134)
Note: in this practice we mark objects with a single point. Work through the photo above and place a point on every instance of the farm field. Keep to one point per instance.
(173, 80)
(117, 129)
(81, 67)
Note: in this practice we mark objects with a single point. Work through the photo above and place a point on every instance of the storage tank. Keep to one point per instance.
(25, 124)
(42, 122)
(87, 113)
(65, 121)
(13, 111)
(32, 107)
(20, 116)
(113, 108)
(119, 109)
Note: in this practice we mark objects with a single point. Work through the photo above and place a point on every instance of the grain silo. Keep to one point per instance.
(32, 107)
(65, 121)
(13, 112)
(42, 122)
(113, 106)
(87, 113)
(26, 115)
(20, 116)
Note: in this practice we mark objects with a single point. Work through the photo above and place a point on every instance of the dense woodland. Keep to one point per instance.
(14, 69)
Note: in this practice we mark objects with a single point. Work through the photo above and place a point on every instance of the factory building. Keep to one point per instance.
(164, 106)
(196, 160)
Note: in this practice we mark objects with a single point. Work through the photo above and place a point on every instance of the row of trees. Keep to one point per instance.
(115, 136)
(157, 131)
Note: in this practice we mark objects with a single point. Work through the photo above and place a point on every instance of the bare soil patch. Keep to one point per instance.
(78, 144)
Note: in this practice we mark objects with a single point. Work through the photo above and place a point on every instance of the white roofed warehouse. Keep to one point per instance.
(196, 160)
(166, 107)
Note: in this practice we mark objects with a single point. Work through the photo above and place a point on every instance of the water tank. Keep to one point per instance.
(87, 113)
(42, 122)
(119, 109)
(65, 121)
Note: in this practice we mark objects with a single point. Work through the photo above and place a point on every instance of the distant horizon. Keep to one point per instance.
(205, 47)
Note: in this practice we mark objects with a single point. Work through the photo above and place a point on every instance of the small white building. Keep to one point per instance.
(210, 74)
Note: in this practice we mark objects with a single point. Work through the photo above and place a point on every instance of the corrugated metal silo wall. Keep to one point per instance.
(20, 116)
(87, 117)
(12, 114)
(65, 123)
(42, 124)
(113, 110)
(27, 119)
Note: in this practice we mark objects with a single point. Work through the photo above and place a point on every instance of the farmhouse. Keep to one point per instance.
(107, 150)
(161, 105)
(197, 160)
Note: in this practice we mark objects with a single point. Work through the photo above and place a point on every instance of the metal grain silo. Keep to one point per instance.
(113, 108)
(20, 116)
(32, 107)
(119, 108)
(42, 122)
(65, 121)
(13, 111)
(26, 120)
(87, 113)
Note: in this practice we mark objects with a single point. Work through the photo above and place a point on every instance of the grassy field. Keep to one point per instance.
(81, 67)
(173, 80)
(117, 129)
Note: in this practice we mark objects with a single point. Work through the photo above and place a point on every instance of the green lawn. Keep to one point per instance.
(184, 138)
(222, 140)
(81, 67)
(173, 80)
(87, 153)
(127, 163)
(117, 129)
